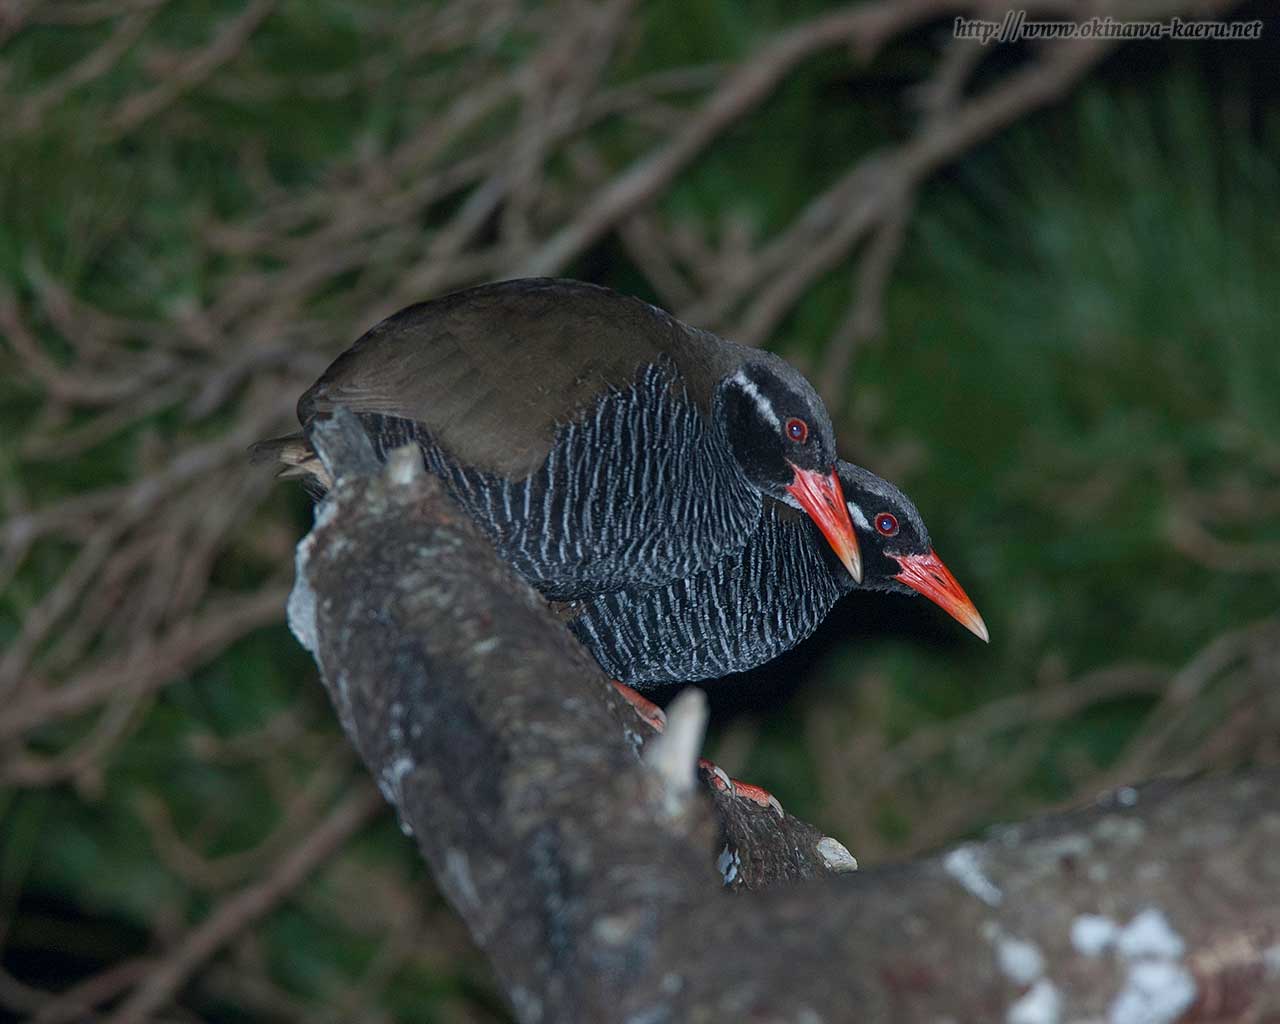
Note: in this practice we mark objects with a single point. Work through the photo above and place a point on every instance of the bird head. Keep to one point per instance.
(781, 435)
(897, 554)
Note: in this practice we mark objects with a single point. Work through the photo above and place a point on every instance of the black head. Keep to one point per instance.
(897, 554)
(775, 423)
(888, 526)
(781, 436)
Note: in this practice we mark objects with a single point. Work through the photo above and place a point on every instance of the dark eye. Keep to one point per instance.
(797, 430)
(887, 523)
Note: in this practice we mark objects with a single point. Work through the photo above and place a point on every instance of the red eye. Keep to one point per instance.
(887, 523)
(797, 430)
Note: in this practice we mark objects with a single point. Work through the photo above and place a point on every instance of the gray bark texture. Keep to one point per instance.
(594, 874)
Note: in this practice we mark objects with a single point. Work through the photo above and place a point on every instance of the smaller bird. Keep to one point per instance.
(764, 598)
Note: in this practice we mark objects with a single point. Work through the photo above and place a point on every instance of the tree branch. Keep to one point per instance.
(588, 877)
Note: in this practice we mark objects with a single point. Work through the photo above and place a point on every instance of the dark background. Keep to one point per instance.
(1058, 335)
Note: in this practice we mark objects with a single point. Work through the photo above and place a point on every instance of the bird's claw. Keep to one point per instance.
(721, 782)
(656, 718)
(652, 715)
(758, 795)
(718, 779)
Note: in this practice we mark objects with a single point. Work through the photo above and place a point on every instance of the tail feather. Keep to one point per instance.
(291, 449)
(295, 455)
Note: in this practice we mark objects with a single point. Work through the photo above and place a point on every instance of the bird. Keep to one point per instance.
(675, 496)
(600, 443)
(764, 598)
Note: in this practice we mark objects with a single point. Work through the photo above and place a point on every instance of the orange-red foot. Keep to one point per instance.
(656, 718)
(644, 707)
(720, 781)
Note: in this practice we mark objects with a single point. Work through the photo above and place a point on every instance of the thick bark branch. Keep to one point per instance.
(589, 876)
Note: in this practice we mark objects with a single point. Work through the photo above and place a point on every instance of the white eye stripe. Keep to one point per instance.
(858, 516)
(763, 405)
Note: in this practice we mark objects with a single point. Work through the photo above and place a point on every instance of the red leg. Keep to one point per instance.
(721, 782)
(716, 777)
(645, 708)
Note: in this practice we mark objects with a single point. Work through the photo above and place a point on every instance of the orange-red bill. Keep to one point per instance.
(926, 575)
(820, 495)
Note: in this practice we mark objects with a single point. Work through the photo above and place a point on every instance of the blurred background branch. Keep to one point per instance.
(1035, 282)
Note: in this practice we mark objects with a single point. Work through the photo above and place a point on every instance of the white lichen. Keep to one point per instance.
(1093, 934)
(391, 781)
(300, 611)
(965, 866)
(728, 864)
(301, 607)
(1149, 935)
(1019, 960)
(1040, 1004)
(1156, 988)
(836, 857)
(1154, 992)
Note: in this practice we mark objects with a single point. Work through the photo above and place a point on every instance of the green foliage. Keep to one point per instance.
(1082, 331)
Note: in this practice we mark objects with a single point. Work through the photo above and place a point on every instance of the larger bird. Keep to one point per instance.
(601, 443)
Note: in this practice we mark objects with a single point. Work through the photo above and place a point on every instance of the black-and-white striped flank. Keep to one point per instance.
(641, 491)
(747, 609)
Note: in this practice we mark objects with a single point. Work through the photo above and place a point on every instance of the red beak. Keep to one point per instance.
(926, 575)
(822, 498)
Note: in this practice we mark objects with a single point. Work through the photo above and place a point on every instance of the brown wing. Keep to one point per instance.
(493, 370)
